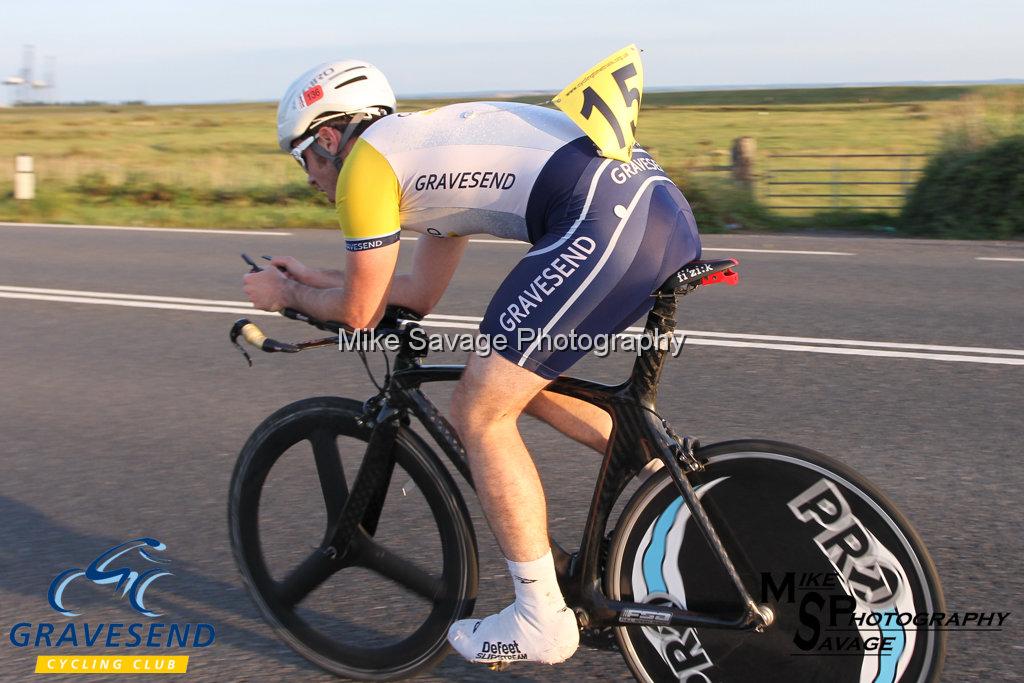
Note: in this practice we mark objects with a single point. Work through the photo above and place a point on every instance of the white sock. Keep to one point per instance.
(537, 627)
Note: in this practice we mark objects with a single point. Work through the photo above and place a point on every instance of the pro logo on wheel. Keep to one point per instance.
(871, 575)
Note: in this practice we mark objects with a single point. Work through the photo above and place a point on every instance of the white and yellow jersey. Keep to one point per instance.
(456, 170)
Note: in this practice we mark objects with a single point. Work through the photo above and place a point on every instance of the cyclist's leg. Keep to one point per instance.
(576, 419)
(581, 277)
(485, 405)
(589, 277)
(592, 278)
(582, 422)
(537, 626)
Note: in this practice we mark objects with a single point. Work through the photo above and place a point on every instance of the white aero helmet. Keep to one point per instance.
(330, 90)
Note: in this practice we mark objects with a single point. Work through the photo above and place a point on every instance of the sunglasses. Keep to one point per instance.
(298, 149)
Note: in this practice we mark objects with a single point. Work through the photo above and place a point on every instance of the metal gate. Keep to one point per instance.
(840, 182)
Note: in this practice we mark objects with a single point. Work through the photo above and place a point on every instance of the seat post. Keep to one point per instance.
(647, 369)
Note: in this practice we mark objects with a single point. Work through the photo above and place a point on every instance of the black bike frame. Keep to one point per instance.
(638, 436)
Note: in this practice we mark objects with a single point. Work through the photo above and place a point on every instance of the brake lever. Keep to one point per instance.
(252, 264)
(236, 332)
(255, 337)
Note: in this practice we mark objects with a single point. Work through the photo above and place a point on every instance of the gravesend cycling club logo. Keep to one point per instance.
(128, 581)
(128, 570)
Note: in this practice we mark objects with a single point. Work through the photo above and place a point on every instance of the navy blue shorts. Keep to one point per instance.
(605, 235)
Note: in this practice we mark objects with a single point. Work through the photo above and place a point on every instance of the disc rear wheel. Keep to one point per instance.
(841, 569)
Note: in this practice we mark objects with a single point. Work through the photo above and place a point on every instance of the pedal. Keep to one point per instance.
(499, 666)
(599, 639)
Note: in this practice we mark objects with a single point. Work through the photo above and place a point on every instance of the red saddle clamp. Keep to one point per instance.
(728, 276)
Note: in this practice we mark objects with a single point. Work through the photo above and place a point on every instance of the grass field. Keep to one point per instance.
(218, 165)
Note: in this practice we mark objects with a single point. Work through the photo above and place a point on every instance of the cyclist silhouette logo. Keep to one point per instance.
(129, 582)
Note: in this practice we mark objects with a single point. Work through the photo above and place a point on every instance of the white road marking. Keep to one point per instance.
(133, 303)
(781, 251)
(997, 258)
(201, 231)
(443, 316)
(114, 295)
(849, 347)
(844, 342)
(693, 338)
(690, 334)
(270, 233)
(859, 352)
(473, 241)
(725, 249)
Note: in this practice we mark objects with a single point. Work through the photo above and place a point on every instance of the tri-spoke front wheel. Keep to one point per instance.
(379, 608)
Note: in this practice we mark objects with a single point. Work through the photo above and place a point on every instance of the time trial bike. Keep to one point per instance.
(746, 560)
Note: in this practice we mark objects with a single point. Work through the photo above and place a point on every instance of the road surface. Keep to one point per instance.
(125, 407)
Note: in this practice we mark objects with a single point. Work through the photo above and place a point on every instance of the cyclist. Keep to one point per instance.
(604, 235)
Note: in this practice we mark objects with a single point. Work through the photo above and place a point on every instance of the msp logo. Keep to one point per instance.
(129, 582)
(130, 568)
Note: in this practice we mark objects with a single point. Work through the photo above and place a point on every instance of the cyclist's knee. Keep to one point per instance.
(464, 411)
(473, 410)
(492, 392)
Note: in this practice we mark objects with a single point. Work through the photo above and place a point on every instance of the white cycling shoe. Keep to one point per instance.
(537, 627)
(517, 635)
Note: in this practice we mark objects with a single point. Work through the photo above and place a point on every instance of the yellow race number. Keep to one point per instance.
(605, 102)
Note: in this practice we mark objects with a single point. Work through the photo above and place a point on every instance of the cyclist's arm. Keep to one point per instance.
(321, 278)
(359, 301)
(433, 264)
(367, 201)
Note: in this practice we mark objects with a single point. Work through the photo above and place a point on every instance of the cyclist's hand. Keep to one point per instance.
(294, 269)
(266, 289)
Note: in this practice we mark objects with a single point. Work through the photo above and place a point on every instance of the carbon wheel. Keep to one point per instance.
(382, 609)
(838, 565)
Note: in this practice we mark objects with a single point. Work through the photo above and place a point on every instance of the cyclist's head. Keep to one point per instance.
(324, 111)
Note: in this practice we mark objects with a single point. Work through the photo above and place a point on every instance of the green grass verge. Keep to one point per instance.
(218, 165)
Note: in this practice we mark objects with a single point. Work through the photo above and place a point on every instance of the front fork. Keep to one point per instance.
(366, 495)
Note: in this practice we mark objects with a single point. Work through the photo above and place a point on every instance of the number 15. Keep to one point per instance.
(591, 101)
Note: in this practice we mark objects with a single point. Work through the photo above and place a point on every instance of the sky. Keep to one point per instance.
(215, 51)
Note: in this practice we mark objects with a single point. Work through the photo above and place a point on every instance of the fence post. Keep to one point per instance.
(24, 177)
(744, 149)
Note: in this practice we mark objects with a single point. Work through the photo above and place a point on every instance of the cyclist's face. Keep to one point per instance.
(320, 172)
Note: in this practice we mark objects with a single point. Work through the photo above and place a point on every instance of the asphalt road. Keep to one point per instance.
(121, 421)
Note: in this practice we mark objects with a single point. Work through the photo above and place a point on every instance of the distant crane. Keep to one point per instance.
(49, 78)
(28, 60)
(24, 83)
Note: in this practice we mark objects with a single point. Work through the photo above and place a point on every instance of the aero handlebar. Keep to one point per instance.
(390, 324)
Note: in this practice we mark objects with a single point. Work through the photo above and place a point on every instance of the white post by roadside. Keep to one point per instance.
(24, 177)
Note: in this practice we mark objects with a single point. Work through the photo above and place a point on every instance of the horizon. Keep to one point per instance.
(212, 51)
(509, 94)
